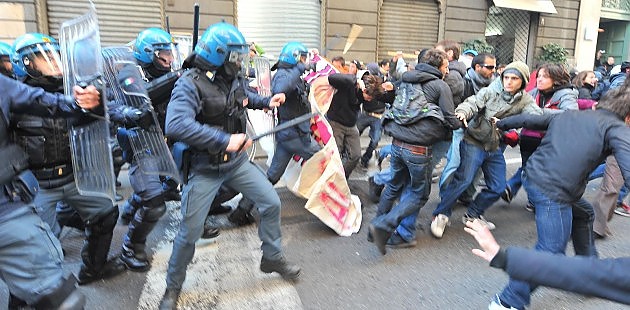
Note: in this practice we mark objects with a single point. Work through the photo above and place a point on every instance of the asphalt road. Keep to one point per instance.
(339, 272)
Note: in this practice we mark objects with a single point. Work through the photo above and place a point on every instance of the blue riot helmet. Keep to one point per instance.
(156, 47)
(222, 43)
(6, 53)
(292, 52)
(37, 56)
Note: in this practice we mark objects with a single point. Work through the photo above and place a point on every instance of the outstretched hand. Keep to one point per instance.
(489, 246)
(87, 98)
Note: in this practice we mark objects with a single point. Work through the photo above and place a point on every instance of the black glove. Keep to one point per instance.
(146, 120)
(134, 118)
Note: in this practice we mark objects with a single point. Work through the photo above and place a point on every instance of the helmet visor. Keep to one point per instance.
(43, 58)
(167, 56)
(241, 60)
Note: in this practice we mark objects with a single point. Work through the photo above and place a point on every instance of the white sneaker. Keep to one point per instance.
(481, 218)
(438, 225)
(495, 304)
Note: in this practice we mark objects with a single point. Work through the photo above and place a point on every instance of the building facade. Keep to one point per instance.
(368, 30)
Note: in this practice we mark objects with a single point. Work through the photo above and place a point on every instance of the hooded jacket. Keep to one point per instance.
(455, 80)
(430, 130)
(496, 100)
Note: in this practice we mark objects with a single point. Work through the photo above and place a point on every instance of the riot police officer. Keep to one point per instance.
(295, 140)
(291, 141)
(45, 140)
(6, 51)
(157, 55)
(30, 256)
(207, 112)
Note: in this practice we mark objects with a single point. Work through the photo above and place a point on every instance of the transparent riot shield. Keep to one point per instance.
(262, 121)
(82, 65)
(126, 87)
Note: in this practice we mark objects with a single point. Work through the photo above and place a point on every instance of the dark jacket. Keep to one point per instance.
(605, 278)
(576, 142)
(18, 97)
(427, 131)
(377, 105)
(186, 111)
(585, 92)
(345, 104)
(287, 80)
(455, 80)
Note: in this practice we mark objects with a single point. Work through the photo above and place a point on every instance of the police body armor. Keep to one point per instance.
(17, 180)
(229, 115)
(298, 103)
(45, 139)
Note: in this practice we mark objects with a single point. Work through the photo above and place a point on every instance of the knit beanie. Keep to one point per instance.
(518, 67)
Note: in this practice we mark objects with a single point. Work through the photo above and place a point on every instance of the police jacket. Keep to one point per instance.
(287, 80)
(19, 98)
(45, 139)
(205, 109)
(561, 165)
(428, 130)
(605, 278)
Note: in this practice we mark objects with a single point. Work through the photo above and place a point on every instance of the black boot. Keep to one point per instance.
(142, 224)
(135, 258)
(287, 270)
(224, 194)
(375, 190)
(112, 267)
(242, 215)
(210, 232)
(169, 300)
(95, 249)
(129, 209)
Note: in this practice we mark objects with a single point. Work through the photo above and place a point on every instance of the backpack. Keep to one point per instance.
(411, 105)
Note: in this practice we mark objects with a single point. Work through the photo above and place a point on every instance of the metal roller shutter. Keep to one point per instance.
(407, 25)
(119, 20)
(273, 23)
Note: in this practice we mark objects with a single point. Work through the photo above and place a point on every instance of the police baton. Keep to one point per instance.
(294, 122)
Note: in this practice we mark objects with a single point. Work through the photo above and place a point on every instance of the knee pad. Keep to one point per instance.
(65, 296)
(106, 223)
(153, 209)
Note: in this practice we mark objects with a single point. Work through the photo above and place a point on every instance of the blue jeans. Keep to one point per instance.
(528, 146)
(582, 228)
(197, 197)
(303, 146)
(407, 227)
(493, 166)
(411, 182)
(376, 130)
(553, 225)
(452, 157)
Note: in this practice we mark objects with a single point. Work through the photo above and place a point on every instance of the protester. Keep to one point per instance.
(605, 278)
